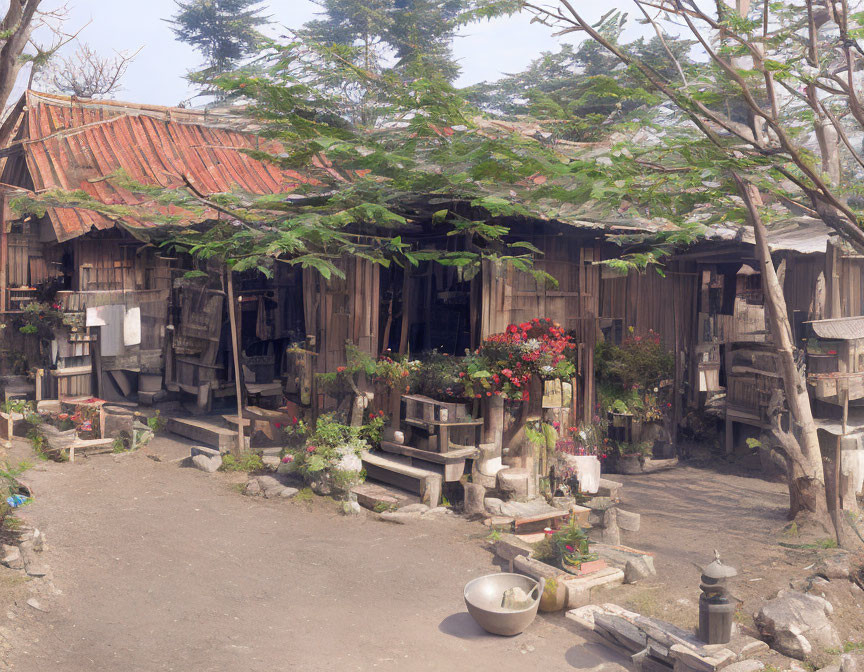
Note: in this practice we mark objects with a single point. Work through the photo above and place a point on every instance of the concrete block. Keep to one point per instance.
(628, 520)
(579, 587)
(514, 482)
(509, 547)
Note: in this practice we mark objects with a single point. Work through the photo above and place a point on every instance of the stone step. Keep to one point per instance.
(377, 496)
(203, 431)
(450, 465)
(396, 470)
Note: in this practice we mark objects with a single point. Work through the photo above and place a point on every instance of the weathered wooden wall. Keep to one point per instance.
(341, 310)
(511, 296)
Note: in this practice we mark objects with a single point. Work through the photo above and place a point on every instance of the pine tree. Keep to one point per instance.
(224, 31)
(402, 30)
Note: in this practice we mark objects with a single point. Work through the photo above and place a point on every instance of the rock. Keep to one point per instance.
(34, 603)
(473, 504)
(794, 623)
(852, 662)
(628, 521)
(253, 487)
(515, 599)
(288, 492)
(610, 489)
(11, 557)
(272, 485)
(208, 464)
(31, 565)
(493, 505)
(438, 511)
(514, 482)
(610, 534)
(321, 487)
(637, 565)
(272, 462)
(414, 508)
(352, 509)
(350, 461)
(745, 666)
(638, 569)
(836, 566)
(204, 450)
(398, 517)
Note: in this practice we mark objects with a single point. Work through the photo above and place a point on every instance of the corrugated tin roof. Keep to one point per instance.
(805, 235)
(75, 145)
(843, 328)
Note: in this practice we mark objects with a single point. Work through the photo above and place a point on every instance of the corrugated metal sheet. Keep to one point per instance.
(75, 145)
(804, 235)
(844, 328)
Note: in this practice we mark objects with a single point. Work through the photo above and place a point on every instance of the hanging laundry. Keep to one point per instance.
(110, 319)
(132, 327)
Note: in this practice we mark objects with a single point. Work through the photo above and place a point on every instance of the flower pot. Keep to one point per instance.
(554, 596)
(630, 464)
(587, 469)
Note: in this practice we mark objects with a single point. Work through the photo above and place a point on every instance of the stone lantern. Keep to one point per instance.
(715, 609)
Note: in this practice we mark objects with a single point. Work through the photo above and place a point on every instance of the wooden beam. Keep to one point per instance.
(235, 350)
(4, 255)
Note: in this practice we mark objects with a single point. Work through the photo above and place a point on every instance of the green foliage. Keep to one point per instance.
(9, 486)
(156, 422)
(326, 449)
(566, 548)
(224, 31)
(247, 461)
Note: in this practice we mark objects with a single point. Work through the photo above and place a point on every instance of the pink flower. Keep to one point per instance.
(310, 449)
(569, 548)
(287, 459)
(278, 425)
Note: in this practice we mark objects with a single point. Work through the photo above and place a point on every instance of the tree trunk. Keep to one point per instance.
(16, 27)
(806, 477)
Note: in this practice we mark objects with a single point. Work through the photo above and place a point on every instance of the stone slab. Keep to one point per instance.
(579, 587)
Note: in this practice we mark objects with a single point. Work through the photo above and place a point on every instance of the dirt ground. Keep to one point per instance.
(161, 567)
(688, 512)
(155, 566)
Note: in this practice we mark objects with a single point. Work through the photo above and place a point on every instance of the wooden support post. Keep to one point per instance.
(406, 311)
(4, 256)
(235, 350)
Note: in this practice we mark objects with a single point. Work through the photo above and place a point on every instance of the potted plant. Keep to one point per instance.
(631, 456)
(330, 459)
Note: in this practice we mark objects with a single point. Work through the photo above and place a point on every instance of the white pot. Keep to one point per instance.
(587, 468)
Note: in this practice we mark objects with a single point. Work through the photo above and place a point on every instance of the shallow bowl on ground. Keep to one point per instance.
(483, 598)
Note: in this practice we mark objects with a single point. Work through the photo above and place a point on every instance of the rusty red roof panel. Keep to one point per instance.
(74, 146)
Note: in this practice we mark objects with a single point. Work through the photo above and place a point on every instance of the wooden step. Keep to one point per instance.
(396, 470)
(450, 465)
(204, 432)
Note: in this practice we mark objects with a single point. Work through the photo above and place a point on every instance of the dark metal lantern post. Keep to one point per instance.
(715, 609)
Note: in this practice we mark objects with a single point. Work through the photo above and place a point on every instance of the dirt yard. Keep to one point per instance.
(160, 567)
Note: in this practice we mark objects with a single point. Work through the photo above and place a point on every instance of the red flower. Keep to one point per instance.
(461, 374)
(278, 425)
(340, 369)
(381, 413)
(371, 416)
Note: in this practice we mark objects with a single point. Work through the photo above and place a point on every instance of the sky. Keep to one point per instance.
(485, 50)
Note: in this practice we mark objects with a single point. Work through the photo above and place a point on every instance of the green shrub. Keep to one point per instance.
(247, 462)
